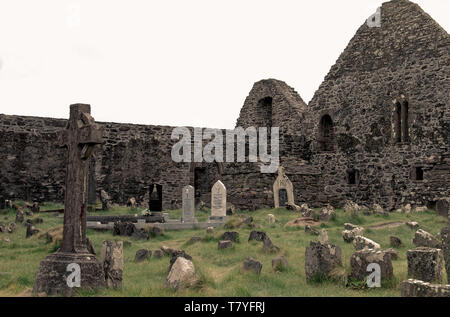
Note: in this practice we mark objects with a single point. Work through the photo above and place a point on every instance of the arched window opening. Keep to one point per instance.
(326, 133)
(401, 128)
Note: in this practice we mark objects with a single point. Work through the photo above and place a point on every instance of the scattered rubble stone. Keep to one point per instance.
(251, 265)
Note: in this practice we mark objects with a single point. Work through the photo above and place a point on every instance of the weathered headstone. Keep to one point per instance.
(60, 272)
(112, 258)
(443, 207)
(188, 204)
(321, 260)
(360, 260)
(445, 235)
(218, 200)
(155, 200)
(425, 264)
(283, 191)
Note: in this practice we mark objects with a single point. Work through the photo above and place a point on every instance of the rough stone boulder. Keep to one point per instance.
(420, 209)
(195, 239)
(12, 227)
(231, 235)
(35, 208)
(156, 231)
(293, 207)
(142, 255)
(360, 260)
(443, 207)
(112, 259)
(306, 211)
(406, 209)
(158, 254)
(132, 203)
(326, 213)
(321, 260)
(31, 231)
(311, 230)
(279, 263)
(416, 288)
(393, 253)
(351, 207)
(224, 244)
(445, 235)
(425, 264)
(425, 239)
(251, 265)
(181, 274)
(231, 209)
(123, 228)
(257, 236)
(140, 233)
(395, 241)
(3, 227)
(105, 199)
(167, 250)
(178, 254)
(412, 224)
(19, 216)
(361, 243)
(351, 231)
(378, 209)
(268, 246)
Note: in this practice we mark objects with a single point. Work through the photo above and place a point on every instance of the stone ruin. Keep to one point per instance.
(376, 131)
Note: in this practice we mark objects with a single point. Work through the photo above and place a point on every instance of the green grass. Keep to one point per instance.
(218, 271)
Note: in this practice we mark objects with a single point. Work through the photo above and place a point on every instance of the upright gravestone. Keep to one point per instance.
(188, 204)
(72, 266)
(283, 191)
(155, 198)
(218, 200)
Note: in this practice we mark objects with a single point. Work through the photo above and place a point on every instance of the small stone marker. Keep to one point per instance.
(395, 241)
(218, 200)
(112, 258)
(224, 244)
(142, 255)
(283, 190)
(271, 218)
(251, 265)
(188, 204)
(323, 236)
(279, 263)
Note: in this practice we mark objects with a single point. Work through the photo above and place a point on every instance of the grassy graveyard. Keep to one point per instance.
(218, 271)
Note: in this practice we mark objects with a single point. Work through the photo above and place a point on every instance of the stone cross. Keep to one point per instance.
(80, 137)
(218, 200)
(188, 204)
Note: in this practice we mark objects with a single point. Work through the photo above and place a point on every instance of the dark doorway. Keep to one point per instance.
(282, 197)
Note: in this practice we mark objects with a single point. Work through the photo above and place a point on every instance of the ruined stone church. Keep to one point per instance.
(376, 131)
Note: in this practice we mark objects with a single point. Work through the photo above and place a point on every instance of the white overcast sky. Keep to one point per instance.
(170, 62)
